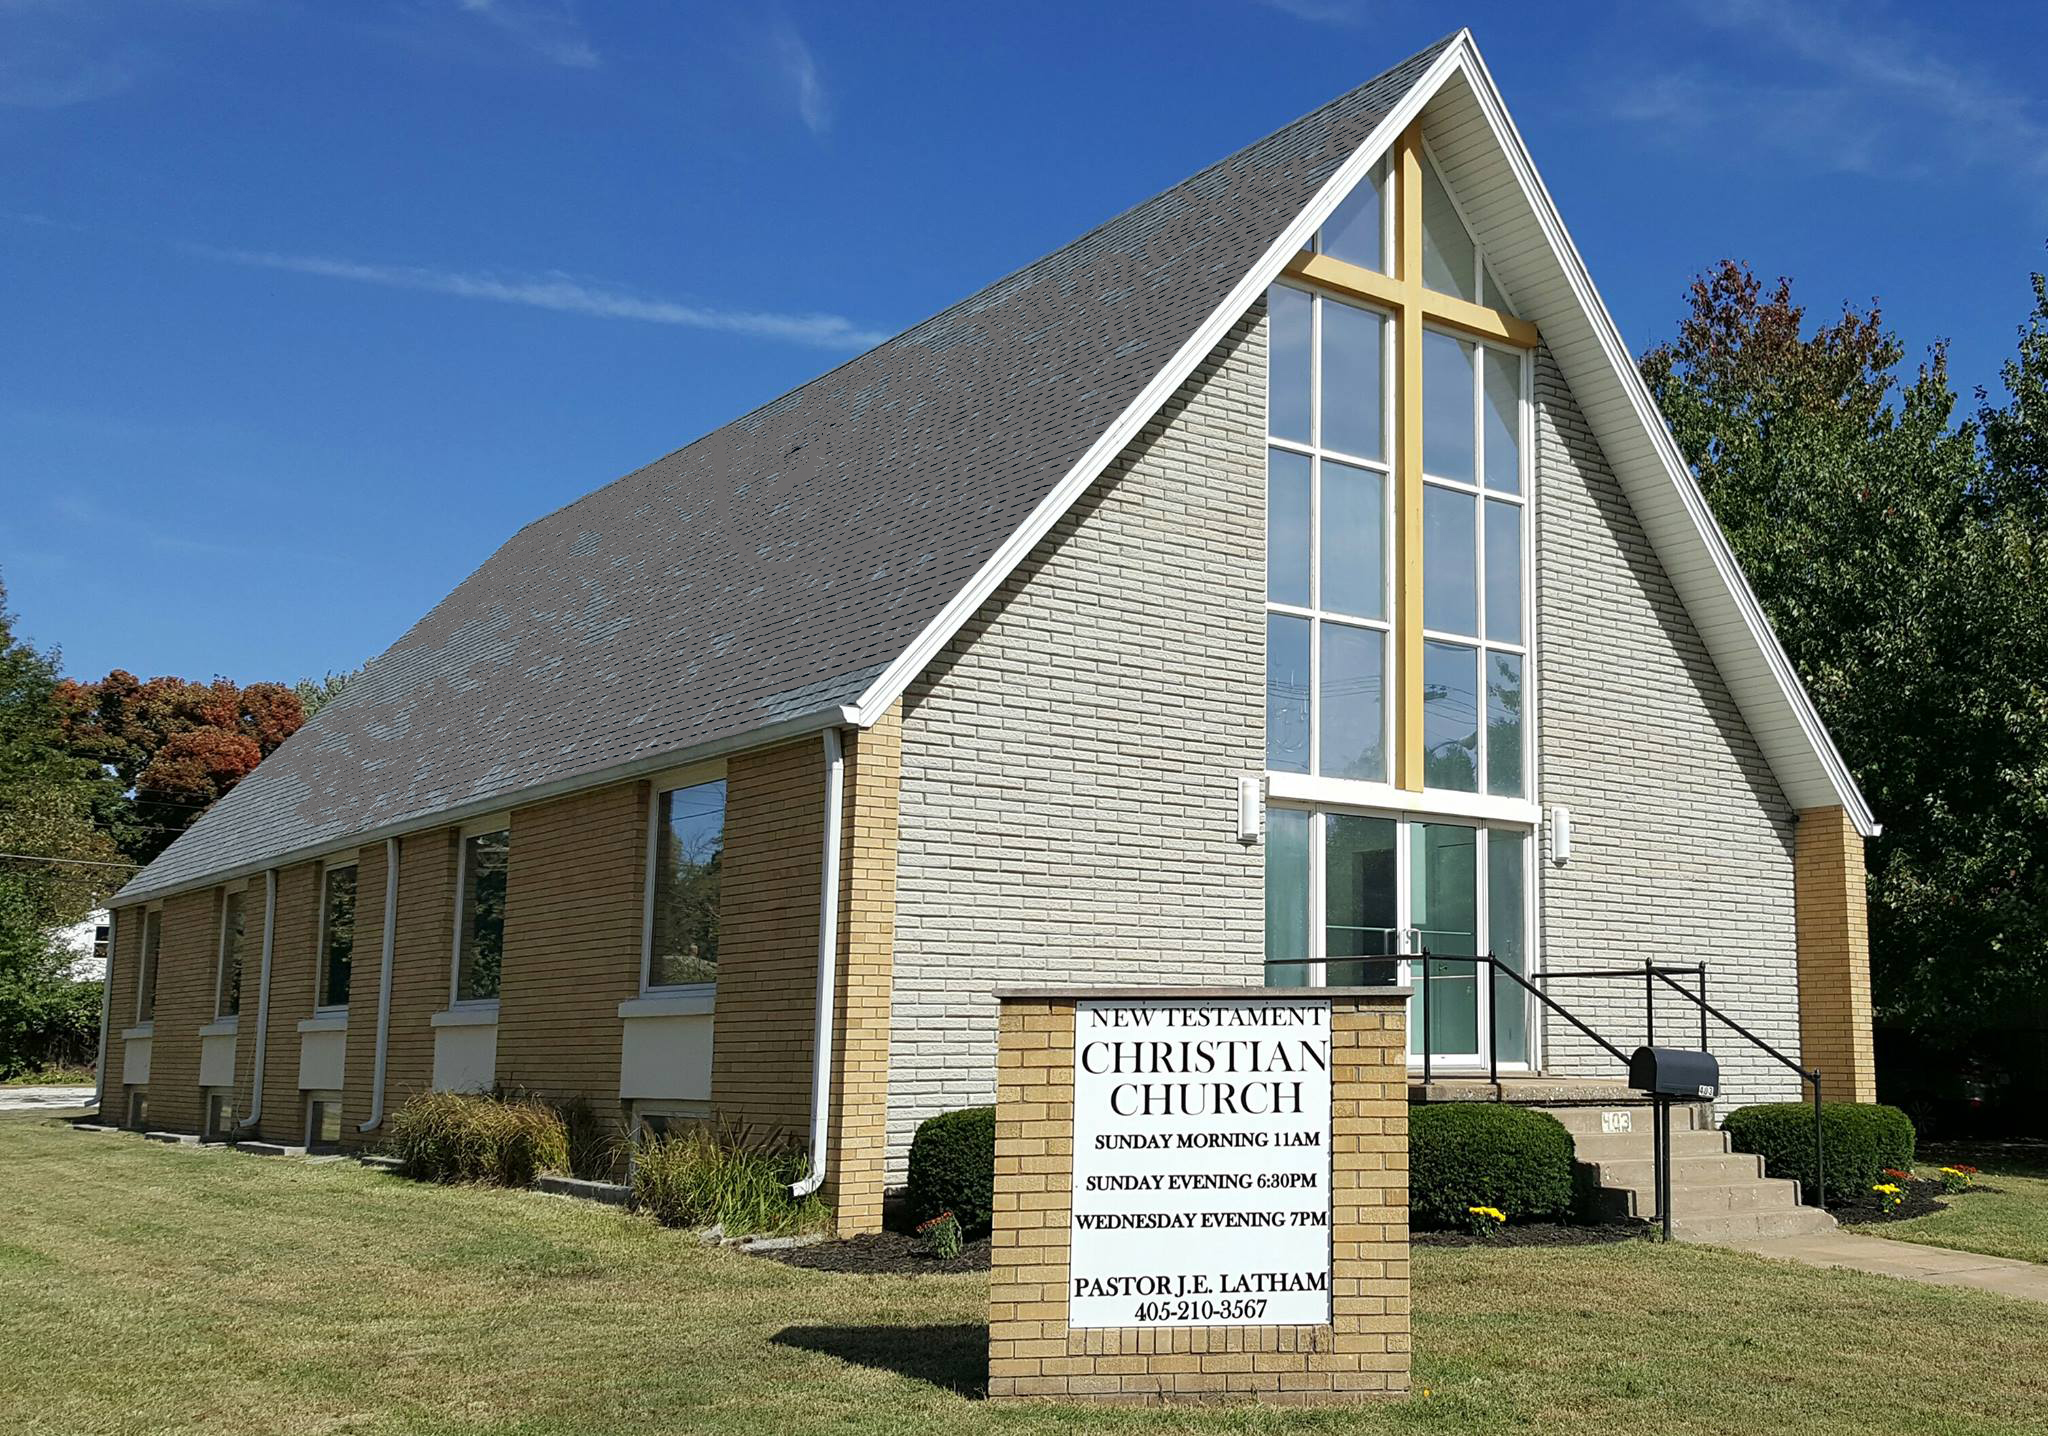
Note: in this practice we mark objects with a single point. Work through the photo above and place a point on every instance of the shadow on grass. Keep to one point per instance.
(953, 1358)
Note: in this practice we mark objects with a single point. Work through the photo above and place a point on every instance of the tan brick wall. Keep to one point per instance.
(423, 962)
(1834, 955)
(121, 969)
(184, 1003)
(573, 916)
(768, 936)
(1363, 1352)
(294, 961)
(365, 978)
(858, 1130)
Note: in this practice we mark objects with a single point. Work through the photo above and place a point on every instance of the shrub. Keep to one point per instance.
(724, 1176)
(1861, 1140)
(953, 1168)
(1463, 1155)
(465, 1137)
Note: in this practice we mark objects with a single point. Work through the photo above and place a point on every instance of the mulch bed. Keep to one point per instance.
(882, 1254)
(1923, 1197)
(1540, 1234)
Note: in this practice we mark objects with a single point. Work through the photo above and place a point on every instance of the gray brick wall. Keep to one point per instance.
(1070, 761)
(1681, 840)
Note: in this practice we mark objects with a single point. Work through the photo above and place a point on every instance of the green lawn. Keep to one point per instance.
(146, 1288)
(2007, 1216)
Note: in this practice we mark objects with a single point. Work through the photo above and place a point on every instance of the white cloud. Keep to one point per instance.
(1861, 91)
(800, 68)
(548, 28)
(566, 295)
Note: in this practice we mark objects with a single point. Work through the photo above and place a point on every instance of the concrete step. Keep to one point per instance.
(1716, 1199)
(1734, 1226)
(1628, 1119)
(1686, 1171)
(1637, 1146)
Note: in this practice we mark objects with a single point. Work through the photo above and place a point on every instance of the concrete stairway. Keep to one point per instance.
(1716, 1194)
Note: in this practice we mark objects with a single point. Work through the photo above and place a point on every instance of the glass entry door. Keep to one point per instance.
(1353, 899)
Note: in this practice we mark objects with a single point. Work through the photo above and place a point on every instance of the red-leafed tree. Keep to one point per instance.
(175, 745)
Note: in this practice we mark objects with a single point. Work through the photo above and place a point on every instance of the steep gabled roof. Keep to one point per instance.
(766, 578)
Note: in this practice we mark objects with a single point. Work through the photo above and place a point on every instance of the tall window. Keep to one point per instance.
(1327, 526)
(337, 934)
(1474, 645)
(480, 925)
(227, 999)
(689, 843)
(152, 941)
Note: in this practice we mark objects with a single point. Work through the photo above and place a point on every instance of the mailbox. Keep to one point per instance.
(1674, 1072)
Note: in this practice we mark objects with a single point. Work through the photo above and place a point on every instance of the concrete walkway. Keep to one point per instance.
(34, 1099)
(1909, 1261)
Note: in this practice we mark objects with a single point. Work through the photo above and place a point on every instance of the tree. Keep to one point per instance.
(1899, 563)
(175, 747)
(315, 694)
(60, 866)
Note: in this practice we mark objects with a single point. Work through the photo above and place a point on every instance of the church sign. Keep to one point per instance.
(1201, 1182)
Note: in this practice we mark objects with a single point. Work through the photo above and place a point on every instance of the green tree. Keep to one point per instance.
(1898, 560)
(316, 693)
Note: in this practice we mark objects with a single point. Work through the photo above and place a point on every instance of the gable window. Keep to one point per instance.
(480, 919)
(152, 943)
(227, 987)
(1327, 530)
(337, 933)
(685, 854)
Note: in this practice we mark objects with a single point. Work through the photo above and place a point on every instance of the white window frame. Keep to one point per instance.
(476, 827)
(1404, 819)
(1524, 499)
(149, 961)
(661, 784)
(240, 891)
(322, 1008)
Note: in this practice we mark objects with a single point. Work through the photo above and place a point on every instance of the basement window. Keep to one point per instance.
(220, 1115)
(323, 1122)
(138, 1108)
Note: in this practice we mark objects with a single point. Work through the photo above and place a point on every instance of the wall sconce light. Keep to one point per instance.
(1250, 805)
(1560, 836)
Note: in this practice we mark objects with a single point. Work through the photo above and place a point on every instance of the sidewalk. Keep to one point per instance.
(1936, 1266)
(34, 1099)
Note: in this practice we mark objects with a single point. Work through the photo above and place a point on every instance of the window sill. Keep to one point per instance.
(222, 1027)
(139, 1031)
(326, 1022)
(695, 1001)
(475, 1014)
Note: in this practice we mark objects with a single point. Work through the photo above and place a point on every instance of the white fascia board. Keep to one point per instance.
(1643, 408)
(1114, 440)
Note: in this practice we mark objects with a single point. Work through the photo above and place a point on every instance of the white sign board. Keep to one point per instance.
(1201, 1163)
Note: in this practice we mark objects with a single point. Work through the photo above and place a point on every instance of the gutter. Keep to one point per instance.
(99, 1070)
(828, 966)
(384, 986)
(248, 1123)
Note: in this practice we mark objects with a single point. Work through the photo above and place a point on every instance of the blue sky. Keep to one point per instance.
(307, 307)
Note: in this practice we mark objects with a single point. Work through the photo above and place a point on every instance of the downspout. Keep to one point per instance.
(828, 966)
(99, 1071)
(248, 1123)
(384, 985)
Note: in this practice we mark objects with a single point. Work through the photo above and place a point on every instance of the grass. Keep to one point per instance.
(2010, 1219)
(60, 1076)
(146, 1288)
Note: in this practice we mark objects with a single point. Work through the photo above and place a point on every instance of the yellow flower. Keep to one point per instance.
(1888, 1188)
(1495, 1212)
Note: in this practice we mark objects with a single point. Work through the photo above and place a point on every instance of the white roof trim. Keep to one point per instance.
(1789, 695)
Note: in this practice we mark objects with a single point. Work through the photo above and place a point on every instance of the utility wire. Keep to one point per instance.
(74, 862)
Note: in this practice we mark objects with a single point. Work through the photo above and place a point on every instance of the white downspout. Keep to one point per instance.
(384, 985)
(262, 1001)
(99, 1071)
(828, 966)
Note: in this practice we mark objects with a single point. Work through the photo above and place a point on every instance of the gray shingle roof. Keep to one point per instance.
(776, 566)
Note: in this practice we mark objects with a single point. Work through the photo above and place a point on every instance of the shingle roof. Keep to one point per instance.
(776, 566)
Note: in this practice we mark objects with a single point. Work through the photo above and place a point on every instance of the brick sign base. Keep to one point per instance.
(1361, 1353)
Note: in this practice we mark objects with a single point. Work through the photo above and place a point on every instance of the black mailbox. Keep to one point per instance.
(1674, 1072)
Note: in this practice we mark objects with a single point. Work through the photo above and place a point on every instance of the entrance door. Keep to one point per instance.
(1383, 889)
